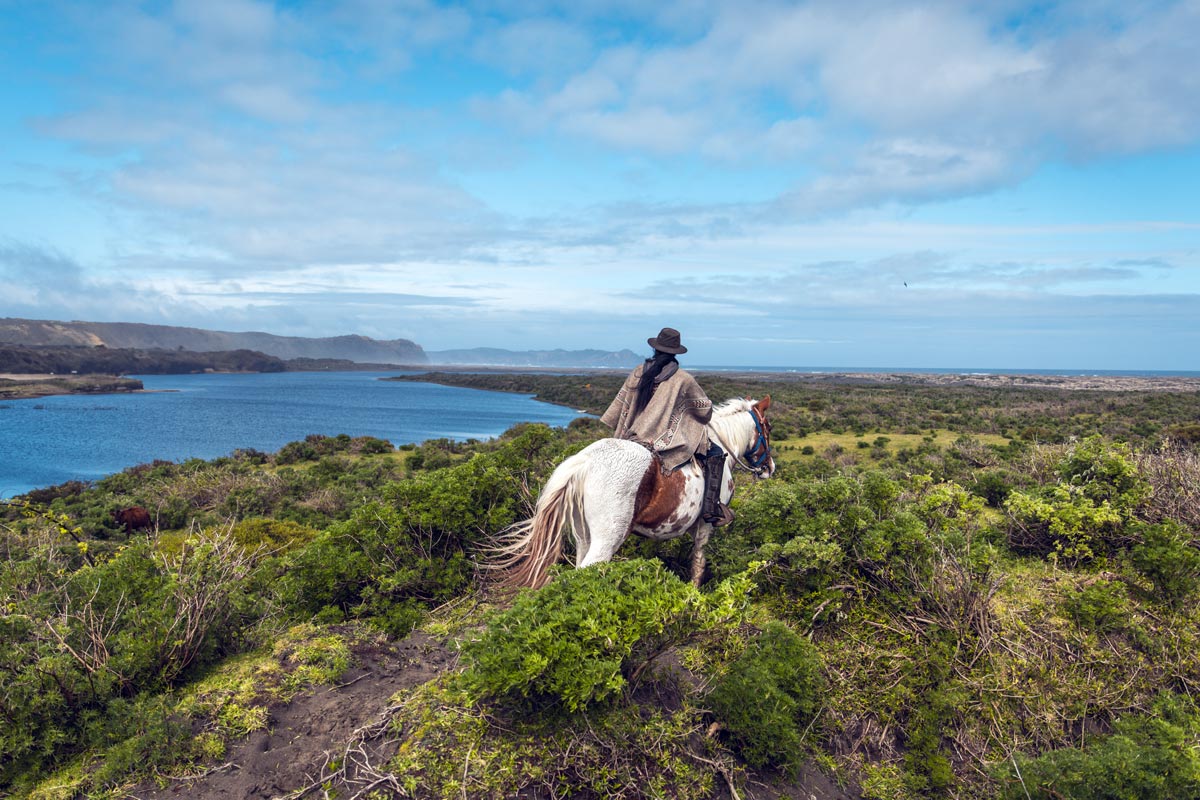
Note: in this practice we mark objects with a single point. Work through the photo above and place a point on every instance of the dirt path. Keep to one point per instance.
(314, 728)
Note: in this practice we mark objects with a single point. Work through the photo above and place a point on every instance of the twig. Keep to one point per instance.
(724, 774)
(349, 683)
(205, 773)
(1024, 788)
(466, 766)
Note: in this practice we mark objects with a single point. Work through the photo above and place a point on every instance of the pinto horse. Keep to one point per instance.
(615, 487)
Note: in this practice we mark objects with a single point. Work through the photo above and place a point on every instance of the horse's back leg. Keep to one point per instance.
(608, 525)
(610, 496)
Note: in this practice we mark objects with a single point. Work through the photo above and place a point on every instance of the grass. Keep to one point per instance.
(792, 449)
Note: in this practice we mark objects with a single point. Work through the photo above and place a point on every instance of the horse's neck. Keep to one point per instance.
(731, 437)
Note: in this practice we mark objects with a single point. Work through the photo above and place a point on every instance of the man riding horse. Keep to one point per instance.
(662, 407)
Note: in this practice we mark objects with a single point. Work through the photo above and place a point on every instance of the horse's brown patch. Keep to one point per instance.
(658, 496)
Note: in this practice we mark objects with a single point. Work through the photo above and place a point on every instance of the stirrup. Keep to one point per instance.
(719, 517)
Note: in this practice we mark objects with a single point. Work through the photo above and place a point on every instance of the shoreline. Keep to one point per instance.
(25, 386)
(14, 386)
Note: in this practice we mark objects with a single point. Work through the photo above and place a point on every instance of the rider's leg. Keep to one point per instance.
(712, 510)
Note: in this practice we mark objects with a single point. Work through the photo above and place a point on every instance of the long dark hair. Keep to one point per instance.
(650, 370)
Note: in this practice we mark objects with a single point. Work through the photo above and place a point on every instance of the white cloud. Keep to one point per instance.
(843, 89)
(903, 170)
(535, 46)
(647, 128)
(265, 101)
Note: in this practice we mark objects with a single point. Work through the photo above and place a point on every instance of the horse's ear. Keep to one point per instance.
(764, 404)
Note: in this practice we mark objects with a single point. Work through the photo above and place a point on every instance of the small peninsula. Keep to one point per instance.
(25, 386)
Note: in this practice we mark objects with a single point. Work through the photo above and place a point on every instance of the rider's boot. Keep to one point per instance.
(712, 510)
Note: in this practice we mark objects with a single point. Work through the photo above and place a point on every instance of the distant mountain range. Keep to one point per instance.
(358, 349)
(492, 356)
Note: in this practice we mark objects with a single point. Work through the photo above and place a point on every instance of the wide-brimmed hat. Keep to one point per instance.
(667, 341)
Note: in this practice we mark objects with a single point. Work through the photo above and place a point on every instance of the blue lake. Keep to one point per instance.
(49, 440)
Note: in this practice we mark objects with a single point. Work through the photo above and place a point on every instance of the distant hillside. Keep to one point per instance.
(350, 348)
(130, 335)
(493, 356)
(103, 360)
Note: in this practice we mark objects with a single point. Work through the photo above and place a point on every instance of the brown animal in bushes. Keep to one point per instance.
(134, 518)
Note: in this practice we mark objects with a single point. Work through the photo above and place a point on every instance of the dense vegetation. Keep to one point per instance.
(944, 592)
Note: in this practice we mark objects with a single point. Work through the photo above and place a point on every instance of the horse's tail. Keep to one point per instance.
(525, 551)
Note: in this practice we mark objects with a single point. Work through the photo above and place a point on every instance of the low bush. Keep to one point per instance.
(271, 534)
(767, 696)
(374, 565)
(75, 644)
(1100, 605)
(994, 485)
(1084, 515)
(1167, 559)
(1152, 757)
(450, 750)
(577, 641)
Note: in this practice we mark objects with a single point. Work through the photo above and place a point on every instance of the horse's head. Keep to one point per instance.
(742, 428)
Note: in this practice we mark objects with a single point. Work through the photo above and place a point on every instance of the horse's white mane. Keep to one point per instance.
(733, 405)
(723, 422)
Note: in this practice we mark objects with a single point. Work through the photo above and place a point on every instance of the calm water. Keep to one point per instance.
(75, 437)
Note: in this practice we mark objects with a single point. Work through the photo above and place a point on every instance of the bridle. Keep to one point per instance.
(758, 454)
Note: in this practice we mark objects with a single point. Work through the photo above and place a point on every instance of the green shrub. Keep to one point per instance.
(271, 534)
(75, 644)
(293, 452)
(994, 485)
(1168, 560)
(371, 445)
(137, 736)
(1152, 757)
(1084, 515)
(1106, 473)
(768, 694)
(374, 565)
(410, 550)
(1188, 433)
(575, 642)
(1101, 606)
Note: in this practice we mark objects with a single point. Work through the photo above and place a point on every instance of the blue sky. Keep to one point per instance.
(940, 184)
